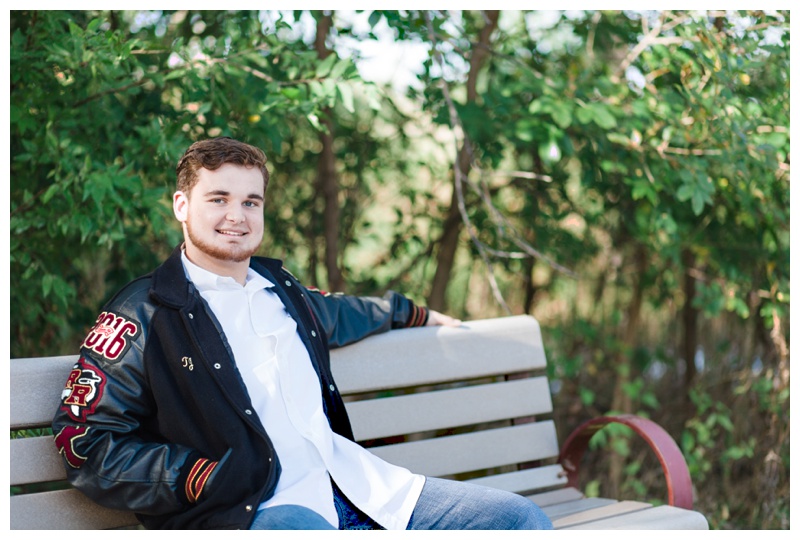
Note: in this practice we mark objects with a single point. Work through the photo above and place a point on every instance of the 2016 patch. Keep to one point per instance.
(112, 335)
(82, 393)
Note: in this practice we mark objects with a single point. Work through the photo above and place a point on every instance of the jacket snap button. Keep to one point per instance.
(313, 333)
(217, 366)
(248, 411)
(288, 283)
(248, 508)
(191, 316)
(333, 388)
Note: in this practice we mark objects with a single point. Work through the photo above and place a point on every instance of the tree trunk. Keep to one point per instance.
(528, 285)
(452, 225)
(621, 402)
(327, 179)
(689, 318)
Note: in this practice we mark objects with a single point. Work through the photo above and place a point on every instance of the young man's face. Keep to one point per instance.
(222, 216)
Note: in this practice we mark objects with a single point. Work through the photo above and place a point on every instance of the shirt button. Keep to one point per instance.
(217, 366)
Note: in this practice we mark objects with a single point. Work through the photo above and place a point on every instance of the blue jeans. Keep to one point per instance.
(288, 517)
(449, 505)
(442, 505)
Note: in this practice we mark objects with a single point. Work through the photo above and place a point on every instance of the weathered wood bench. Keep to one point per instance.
(470, 403)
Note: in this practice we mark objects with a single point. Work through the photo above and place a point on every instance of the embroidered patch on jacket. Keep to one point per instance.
(83, 390)
(112, 335)
(65, 442)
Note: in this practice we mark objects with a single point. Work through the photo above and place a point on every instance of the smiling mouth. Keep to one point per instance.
(231, 233)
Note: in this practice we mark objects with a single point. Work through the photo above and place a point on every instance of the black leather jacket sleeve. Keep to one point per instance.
(347, 319)
(98, 426)
(106, 458)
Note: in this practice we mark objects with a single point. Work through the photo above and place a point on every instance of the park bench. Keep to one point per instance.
(471, 403)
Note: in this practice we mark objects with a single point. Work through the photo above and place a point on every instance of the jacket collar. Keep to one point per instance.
(171, 287)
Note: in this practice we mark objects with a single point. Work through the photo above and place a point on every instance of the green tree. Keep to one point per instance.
(657, 143)
(102, 105)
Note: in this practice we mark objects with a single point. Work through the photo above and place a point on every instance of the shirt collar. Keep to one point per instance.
(209, 281)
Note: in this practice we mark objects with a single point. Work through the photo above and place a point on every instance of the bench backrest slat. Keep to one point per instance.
(428, 355)
(34, 460)
(527, 481)
(402, 415)
(36, 387)
(443, 456)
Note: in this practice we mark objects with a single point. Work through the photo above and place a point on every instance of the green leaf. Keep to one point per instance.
(524, 130)
(316, 89)
(93, 25)
(603, 117)
(687, 441)
(535, 106)
(47, 284)
(738, 306)
(621, 446)
(374, 18)
(329, 86)
(549, 152)
(618, 138)
(346, 95)
(562, 115)
(642, 189)
(339, 69)
(314, 120)
(592, 488)
(584, 115)
(373, 97)
(686, 192)
(698, 202)
(49, 193)
(735, 452)
(650, 399)
(587, 396)
(324, 67)
(725, 422)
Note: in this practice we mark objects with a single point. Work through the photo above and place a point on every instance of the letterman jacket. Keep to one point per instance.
(155, 418)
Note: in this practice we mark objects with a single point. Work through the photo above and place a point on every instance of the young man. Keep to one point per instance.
(203, 395)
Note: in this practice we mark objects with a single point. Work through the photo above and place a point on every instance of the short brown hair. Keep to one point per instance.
(211, 154)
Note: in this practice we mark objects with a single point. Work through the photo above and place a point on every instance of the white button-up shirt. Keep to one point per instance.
(284, 389)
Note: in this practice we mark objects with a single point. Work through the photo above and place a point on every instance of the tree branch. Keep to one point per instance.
(649, 39)
(460, 179)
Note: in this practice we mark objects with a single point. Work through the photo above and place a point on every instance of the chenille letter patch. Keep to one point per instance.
(82, 393)
(111, 336)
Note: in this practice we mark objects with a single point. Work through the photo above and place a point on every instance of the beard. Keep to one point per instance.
(230, 253)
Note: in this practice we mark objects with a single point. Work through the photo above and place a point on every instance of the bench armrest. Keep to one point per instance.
(679, 483)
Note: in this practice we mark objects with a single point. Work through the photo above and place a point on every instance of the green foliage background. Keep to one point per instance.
(642, 157)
